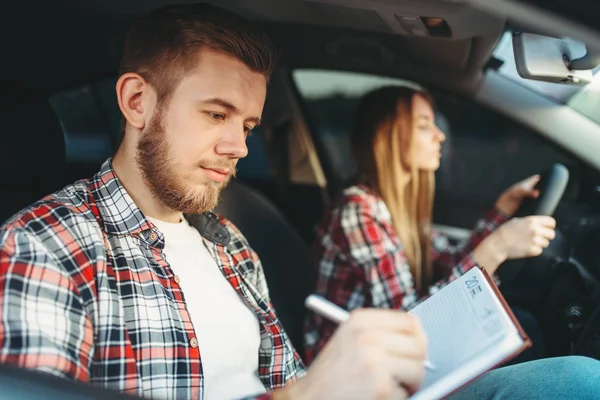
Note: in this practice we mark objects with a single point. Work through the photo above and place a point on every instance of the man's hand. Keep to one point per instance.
(376, 354)
(517, 238)
(511, 199)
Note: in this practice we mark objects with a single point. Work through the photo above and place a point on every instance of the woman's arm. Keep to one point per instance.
(448, 259)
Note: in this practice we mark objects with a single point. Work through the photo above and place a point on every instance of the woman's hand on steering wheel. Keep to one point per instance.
(510, 200)
(515, 239)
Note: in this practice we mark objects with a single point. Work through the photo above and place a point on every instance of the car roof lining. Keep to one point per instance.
(71, 42)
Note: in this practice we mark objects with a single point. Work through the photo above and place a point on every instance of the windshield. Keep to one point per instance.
(583, 99)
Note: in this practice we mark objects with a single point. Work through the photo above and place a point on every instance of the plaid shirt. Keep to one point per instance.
(361, 262)
(86, 294)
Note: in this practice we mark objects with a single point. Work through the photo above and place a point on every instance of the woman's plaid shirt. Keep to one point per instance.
(362, 264)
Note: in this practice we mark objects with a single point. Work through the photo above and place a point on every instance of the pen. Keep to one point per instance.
(338, 315)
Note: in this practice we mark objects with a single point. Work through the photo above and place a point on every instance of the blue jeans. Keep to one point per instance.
(571, 377)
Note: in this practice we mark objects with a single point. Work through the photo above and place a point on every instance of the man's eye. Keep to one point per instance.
(217, 116)
(248, 130)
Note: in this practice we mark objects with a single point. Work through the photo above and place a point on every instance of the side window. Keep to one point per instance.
(483, 154)
(330, 98)
(487, 152)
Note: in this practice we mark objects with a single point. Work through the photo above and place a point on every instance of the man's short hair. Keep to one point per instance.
(164, 45)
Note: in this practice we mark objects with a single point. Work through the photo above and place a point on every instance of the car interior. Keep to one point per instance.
(60, 121)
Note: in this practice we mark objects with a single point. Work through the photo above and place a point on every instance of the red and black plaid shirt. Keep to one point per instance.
(361, 262)
(86, 294)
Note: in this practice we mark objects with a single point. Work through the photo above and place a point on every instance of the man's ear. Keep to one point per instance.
(131, 88)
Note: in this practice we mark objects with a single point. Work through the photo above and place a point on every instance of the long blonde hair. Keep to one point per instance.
(383, 147)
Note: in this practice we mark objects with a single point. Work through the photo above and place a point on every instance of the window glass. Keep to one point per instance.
(483, 154)
(331, 98)
(486, 152)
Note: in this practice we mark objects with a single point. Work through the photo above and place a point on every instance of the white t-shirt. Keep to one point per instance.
(227, 330)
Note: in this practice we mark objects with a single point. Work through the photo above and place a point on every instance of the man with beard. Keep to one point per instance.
(128, 281)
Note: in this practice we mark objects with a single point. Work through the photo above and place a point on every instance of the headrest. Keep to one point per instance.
(32, 145)
(32, 151)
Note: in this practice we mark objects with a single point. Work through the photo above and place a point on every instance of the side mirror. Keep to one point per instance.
(549, 59)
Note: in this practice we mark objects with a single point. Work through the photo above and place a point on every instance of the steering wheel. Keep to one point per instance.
(552, 186)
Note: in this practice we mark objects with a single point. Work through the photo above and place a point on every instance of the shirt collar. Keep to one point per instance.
(121, 216)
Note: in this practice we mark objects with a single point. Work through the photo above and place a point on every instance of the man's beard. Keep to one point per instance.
(166, 185)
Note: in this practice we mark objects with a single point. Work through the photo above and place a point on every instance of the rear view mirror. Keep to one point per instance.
(549, 59)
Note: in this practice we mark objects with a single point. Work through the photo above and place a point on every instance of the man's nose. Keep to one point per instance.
(233, 144)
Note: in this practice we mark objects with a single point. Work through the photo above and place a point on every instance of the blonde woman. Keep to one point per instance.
(375, 247)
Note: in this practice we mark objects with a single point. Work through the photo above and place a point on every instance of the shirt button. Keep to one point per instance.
(153, 236)
(177, 279)
(193, 343)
